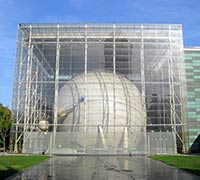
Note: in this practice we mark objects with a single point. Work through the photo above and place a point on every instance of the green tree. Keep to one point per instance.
(5, 123)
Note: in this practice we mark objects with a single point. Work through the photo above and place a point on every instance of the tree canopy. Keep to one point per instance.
(5, 123)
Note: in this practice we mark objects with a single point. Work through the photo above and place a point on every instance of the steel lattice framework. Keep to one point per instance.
(148, 56)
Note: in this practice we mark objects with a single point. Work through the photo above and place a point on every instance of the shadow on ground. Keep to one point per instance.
(8, 172)
(194, 171)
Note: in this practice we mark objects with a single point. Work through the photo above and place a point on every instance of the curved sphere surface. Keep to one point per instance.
(43, 125)
(101, 102)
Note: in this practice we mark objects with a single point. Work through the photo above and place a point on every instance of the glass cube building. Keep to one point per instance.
(100, 89)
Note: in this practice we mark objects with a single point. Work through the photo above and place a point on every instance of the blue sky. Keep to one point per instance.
(13, 12)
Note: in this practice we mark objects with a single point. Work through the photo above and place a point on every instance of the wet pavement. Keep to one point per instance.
(103, 168)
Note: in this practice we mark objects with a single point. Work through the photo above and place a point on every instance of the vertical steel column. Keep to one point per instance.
(19, 84)
(28, 88)
(183, 98)
(71, 60)
(129, 60)
(28, 71)
(85, 86)
(183, 93)
(114, 48)
(40, 98)
(85, 80)
(143, 86)
(171, 90)
(35, 98)
(28, 85)
(114, 83)
(56, 87)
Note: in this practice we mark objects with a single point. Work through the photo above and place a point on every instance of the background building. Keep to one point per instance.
(100, 88)
(192, 62)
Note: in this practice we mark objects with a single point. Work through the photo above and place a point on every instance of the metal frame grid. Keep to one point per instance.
(150, 56)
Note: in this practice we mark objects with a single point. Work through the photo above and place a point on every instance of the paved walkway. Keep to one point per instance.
(103, 167)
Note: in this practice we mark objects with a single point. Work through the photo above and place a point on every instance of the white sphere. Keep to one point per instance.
(101, 98)
(43, 125)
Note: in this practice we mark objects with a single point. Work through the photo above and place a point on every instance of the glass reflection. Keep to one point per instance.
(103, 167)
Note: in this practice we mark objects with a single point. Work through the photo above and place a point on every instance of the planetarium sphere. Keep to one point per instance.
(101, 99)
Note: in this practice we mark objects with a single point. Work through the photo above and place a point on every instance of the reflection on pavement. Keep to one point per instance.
(103, 168)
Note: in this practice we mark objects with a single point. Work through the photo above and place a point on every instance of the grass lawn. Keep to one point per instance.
(188, 163)
(10, 165)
